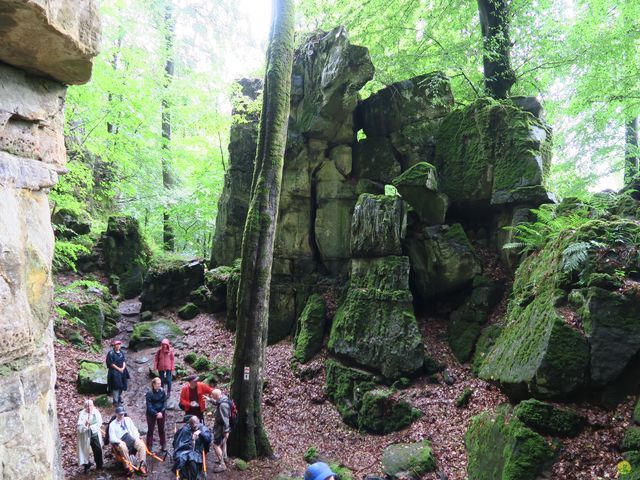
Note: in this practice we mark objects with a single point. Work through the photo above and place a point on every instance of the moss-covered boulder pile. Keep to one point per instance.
(408, 460)
(311, 325)
(492, 153)
(375, 326)
(170, 282)
(419, 187)
(92, 306)
(215, 284)
(150, 334)
(92, 377)
(501, 447)
(572, 321)
(345, 388)
(125, 253)
(547, 419)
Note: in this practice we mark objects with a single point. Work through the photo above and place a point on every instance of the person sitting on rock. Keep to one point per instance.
(124, 436)
(164, 363)
(190, 446)
(118, 375)
(89, 436)
(156, 399)
(319, 471)
(192, 397)
(222, 427)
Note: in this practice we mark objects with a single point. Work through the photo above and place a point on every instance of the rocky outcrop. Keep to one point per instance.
(51, 38)
(150, 334)
(170, 283)
(408, 460)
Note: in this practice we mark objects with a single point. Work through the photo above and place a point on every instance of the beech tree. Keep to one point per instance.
(249, 439)
(167, 174)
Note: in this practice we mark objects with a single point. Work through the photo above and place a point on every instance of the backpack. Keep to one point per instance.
(233, 416)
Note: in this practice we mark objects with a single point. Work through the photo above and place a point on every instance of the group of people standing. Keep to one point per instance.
(190, 443)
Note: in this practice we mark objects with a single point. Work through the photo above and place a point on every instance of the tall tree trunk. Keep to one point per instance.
(167, 174)
(499, 77)
(249, 439)
(631, 153)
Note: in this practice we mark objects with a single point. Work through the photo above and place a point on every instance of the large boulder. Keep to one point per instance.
(328, 72)
(492, 153)
(375, 159)
(150, 334)
(70, 223)
(442, 260)
(547, 419)
(418, 100)
(378, 226)
(501, 447)
(125, 251)
(408, 460)
(170, 283)
(215, 283)
(346, 387)
(419, 187)
(382, 412)
(376, 326)
(92, 377)
(551, 348)
(311, 325)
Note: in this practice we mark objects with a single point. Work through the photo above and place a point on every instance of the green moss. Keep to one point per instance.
(464, 329)
(92, 377)
(188, 311)
(102, 401)
(464, 398)
(381, 413)
(549, 420)
(308, 342)
(499, 446)
(150, 334)
(414, 458)
(422, 174)
(311, 455)
(486, 340)
(631, 440)
(241, 464)
(636, 412)
(233, 284)
(345, 388)
(190, 358)
(342, 472)
(201, 364)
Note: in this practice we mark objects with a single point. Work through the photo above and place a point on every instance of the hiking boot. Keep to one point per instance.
(219, 467)
(87, 466)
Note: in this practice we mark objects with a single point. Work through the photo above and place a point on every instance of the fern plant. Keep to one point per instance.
(575, 256)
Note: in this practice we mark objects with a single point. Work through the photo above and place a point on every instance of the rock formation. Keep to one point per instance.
(55, 39)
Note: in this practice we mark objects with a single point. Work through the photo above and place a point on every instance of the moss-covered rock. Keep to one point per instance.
(419, 187)
(501, 447)
(465, 325)
(378, 226)
(631, 440)
(542, 353)
(233, 283)
(402, 459)
(549, 420)
(70, 223)
(491, 153)
(485, 341)
(376, 326)
(216, 281)
(464, 398)
(375, 159)
(188, 311)
(636, 413)
(170, 281)
(92, 377)
(442, 260)
(130, 281)
(345, 388)
(381, 412)
(308, 342)
(150, 334)
(123, 246)
(200, 364)
(102, 401)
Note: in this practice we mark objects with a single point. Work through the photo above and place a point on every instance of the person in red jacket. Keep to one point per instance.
(192, 397)
(164, 363)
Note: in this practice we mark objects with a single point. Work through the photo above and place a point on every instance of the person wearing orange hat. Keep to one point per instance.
(117, 375)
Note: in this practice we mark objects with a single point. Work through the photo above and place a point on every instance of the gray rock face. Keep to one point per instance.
(51, 38)
(54, 38)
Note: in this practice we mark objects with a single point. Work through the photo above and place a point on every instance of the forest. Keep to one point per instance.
(401, 238)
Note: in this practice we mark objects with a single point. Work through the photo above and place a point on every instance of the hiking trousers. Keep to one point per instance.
(151, 426)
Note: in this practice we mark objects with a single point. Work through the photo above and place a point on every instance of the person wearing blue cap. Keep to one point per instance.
(319, 471)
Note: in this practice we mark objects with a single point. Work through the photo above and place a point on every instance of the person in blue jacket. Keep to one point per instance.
(118, 375)
(156, 400)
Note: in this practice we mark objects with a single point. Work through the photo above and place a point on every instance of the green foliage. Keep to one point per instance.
(201, 364)
(311, 455)
(66, 254)
(190, 358)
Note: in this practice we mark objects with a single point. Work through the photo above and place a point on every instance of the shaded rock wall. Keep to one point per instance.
(56, 38)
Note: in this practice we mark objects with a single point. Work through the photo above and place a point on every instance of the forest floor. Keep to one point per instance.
(298, 415)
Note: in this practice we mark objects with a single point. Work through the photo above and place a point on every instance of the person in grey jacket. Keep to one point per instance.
(221, 428)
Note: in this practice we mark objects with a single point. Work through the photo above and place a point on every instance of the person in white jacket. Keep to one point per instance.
(89, 436)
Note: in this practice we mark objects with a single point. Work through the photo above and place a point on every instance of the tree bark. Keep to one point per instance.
(249, 439)
(168, 238)
(499, 77)
(631, 153)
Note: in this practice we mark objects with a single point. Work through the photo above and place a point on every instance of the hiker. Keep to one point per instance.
(319, 471)
(89, 436)
(124, 436)
(164, 363)
(156, 400)
(118, 375)
(190, 446)
(221, 428)
(192, 397)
